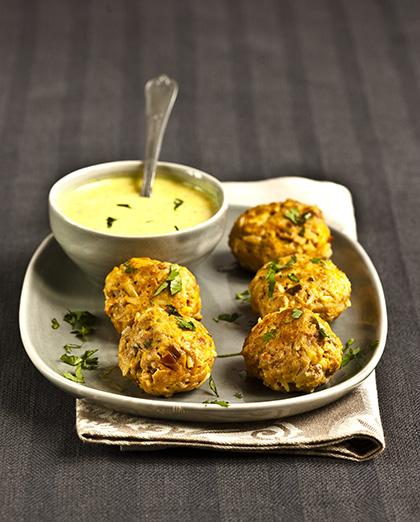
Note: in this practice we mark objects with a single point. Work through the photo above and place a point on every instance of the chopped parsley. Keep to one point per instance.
(123, 205)
(176, 228)
(68, 348)
(272, 269)
(173, 281)
(177, 203)
(129, 269)
(296, 313)
(223, 404)
(316, 260)
(212, 386)
(243, 296)
(293, 277)
(349, 353)
(171, 310)
(269, 335)
(77, 376)
(229, 318)
(110, 221)
(270, 276)
(322, 332)
(293, 215)
(238, 395)
(296, 218)
(81, 321)
(184, 324)
(54, 323)
(84, 362)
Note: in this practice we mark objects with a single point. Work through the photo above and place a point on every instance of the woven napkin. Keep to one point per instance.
(349, 428)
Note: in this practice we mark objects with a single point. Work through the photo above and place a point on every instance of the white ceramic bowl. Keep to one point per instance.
(97, 252)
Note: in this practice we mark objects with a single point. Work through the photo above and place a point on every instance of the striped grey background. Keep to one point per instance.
(322, 88)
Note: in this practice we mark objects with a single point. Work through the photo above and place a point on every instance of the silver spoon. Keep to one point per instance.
(160, 94)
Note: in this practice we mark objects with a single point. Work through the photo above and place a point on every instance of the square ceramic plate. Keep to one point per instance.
(53, 285)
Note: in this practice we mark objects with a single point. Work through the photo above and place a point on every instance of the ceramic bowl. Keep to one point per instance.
(96, 253)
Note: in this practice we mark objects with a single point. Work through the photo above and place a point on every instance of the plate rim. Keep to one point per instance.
(169, 405)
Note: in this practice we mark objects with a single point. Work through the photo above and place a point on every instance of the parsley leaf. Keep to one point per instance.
(272, 269)
(322, 332)
(316, 260)
(267, 336)
(161, 288)
(171, 310)
(223, 404)
(243, 296)
(212, 386)
(110, 221)
(69, 347)
(54, 323)
(296, 313)
(77, 376)
(185, 325)
(293, 215)
(177, 203)
(81, 321)
(297, 219)
(173, 280)
(129, 269)
(229, 318)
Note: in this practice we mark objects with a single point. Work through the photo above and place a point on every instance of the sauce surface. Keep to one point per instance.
(113, 205)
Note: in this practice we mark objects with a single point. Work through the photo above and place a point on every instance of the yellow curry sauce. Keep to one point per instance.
(113, 205)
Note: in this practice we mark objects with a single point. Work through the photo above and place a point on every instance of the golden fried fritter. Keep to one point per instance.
(300, 281)
(142, 282)
(165, 353)
(292, 350)
(267, 232)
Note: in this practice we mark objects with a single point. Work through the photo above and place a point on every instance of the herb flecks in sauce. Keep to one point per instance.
(110, 221)
(91, 203)
(178, 202)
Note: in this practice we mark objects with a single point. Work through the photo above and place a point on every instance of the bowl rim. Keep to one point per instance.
(84, 171)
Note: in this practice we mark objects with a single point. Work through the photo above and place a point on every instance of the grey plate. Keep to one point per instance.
(54, 284)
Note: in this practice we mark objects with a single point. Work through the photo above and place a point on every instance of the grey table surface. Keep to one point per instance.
(327, 89)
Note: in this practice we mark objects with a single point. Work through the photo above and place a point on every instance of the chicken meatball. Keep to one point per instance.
(165, 353)
(267, 232)
(142, 282)
(300, 281)
(292, 350)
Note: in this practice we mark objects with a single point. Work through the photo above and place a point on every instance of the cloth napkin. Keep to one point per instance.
(349, 428)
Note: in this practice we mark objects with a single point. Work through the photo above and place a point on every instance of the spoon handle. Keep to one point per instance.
(160, 94)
